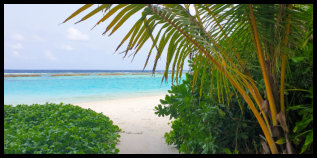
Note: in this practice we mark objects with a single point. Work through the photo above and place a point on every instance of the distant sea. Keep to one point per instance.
(76, 89)
(80, 71)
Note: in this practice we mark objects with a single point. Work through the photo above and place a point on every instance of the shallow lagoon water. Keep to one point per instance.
(76, 89)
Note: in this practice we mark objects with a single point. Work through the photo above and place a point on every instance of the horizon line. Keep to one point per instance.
(88, 69)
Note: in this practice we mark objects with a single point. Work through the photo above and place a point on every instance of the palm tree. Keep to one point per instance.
(230, 37)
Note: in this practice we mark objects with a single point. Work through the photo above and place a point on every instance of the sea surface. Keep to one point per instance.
(11, 71)
(77, 89)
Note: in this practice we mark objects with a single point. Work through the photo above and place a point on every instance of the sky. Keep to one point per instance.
(34, 38)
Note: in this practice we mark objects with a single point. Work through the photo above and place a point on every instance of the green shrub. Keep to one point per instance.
(299, 99)
(202, 125)
(57, 129)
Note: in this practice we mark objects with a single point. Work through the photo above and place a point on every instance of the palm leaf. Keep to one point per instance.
(86, 6)
(227, 37)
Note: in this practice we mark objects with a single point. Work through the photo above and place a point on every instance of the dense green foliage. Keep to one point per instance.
(202, 125)
(57, 129)
(300, 98)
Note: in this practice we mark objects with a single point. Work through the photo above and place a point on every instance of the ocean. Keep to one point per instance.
(78, 71)
(76, 89)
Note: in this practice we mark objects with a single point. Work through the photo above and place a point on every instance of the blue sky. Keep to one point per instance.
(33, 39)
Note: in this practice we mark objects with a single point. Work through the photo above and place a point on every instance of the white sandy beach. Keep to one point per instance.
(142, 130)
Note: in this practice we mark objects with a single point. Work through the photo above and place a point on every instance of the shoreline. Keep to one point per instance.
(90, 98)
(142, 130)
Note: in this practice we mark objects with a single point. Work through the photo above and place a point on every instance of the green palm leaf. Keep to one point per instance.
(227, 39)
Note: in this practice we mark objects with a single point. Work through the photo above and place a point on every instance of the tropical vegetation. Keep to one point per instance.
(202, 125)
(246, 51)
(58, 129)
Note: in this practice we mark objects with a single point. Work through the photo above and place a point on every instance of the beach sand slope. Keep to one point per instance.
(142, 130)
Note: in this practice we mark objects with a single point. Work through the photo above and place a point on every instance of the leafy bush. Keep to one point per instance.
(302, 133)
(299, 98)
(202, 125)
(57, 129)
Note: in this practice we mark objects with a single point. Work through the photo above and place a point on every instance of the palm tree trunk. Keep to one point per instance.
(263, 68)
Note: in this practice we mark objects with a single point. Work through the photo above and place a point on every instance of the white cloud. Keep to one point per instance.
(50, 56)
(16, 46)
(67, 47)
(74, 34)
(16, 53)
(37, 37)
(17, 37)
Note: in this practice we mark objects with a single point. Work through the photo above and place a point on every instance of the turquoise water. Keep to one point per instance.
(75, 89)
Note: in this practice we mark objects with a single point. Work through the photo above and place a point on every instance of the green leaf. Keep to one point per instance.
(296, 107)
(298, 59)
(78, 11)
(125, 18)
(118, 17)
(63, 128)
(308, 141)
(300, 125)
(103, 6)
(221, 113)
(227, 151)
(280, 141)
(110, 13)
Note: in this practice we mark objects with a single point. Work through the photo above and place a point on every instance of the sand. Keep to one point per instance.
(70, 74)
(22, 75)
(142, 130)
